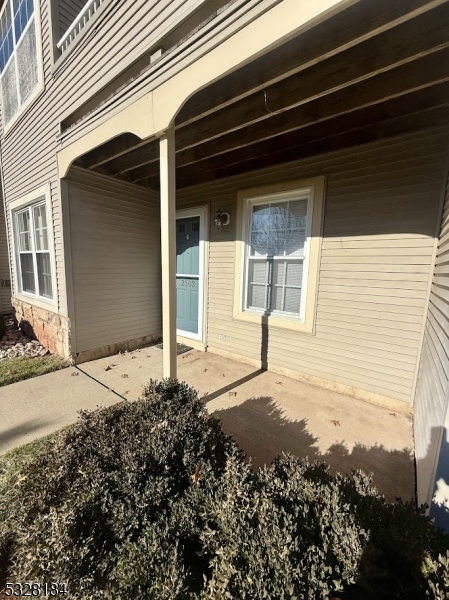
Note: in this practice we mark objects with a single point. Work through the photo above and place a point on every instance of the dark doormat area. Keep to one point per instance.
(180, 348)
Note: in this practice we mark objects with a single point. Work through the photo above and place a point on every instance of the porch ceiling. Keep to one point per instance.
(376, 70)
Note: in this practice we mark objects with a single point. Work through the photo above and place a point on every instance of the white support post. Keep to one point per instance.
(168, 251)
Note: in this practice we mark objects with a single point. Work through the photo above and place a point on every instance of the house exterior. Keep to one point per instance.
(5, 274)
(261, 179)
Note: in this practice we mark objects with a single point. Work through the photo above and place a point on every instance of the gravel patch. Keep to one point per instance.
(15, 344)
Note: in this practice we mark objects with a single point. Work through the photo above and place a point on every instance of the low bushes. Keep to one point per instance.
(150, 500)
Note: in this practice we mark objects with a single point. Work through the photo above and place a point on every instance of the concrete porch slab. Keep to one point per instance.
(266, 413)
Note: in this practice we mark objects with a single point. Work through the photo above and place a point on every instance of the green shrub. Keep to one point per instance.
(437, 574)
(118, 486)
(150, 500)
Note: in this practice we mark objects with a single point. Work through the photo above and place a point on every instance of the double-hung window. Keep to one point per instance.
(276, 261)
(19, 70)
(277, 255)
(33, 251)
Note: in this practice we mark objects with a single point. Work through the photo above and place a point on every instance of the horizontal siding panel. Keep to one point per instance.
(373, 291)
(115, 261)
(326, 318)
(370, 275)
(431, 398)
(334, 343)
(374, 316)
(369, 283)
(362, 253)
(379, 228)
(5, 292)
(373, 244)
(371, 299)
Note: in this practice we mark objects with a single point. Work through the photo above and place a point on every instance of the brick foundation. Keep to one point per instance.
(52, 330)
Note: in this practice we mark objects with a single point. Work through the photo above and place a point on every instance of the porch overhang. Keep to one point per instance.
(162, 104)
(292, 84)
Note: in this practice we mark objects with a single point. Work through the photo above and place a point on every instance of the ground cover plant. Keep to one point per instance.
(151, 500)
(13, 370)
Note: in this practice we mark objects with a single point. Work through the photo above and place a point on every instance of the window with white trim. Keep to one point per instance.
(33, 251)
(19, 71)
(277, 249)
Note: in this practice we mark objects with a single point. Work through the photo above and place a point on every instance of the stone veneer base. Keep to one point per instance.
(51, 329)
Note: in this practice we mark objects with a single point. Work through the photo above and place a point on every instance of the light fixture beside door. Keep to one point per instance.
(222, 219)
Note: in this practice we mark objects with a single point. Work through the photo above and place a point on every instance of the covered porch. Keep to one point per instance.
(266, 413)
(355, 106)
(331, 102)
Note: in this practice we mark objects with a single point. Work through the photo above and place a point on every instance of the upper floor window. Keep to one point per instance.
(19, 71)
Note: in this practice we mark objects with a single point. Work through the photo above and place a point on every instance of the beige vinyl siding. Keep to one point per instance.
(124, 31)
(115, 240)
(431, 401)
(5, 291)
(68, 11)
(381, 207)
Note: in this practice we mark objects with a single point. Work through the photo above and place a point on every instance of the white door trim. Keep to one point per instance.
(202, 212)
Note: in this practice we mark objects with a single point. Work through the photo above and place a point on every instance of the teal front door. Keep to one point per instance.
(188, 284)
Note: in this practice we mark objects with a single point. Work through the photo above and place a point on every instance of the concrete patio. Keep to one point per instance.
(266, 413)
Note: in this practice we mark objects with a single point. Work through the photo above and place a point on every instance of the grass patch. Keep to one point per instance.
(13, 462)
(18, 369)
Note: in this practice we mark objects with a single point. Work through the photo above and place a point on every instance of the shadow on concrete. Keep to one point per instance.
(234, 384)
(262, 432)
(107, 387)
(20, 431)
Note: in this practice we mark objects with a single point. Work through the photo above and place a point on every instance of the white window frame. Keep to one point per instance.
(278, 198)
(39, 58)
(313, 190)
(37, 197)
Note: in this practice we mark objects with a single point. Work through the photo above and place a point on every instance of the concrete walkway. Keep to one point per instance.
(266, 413)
